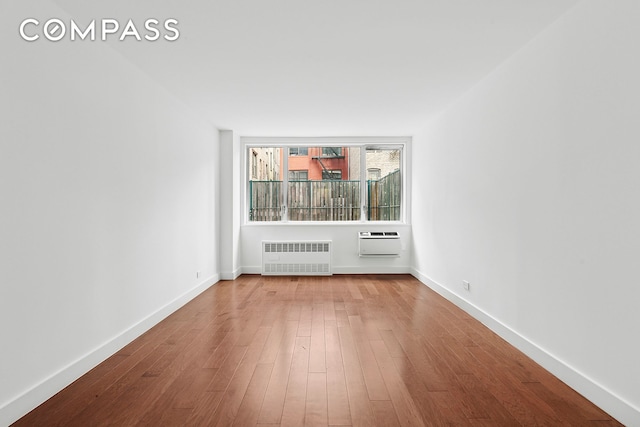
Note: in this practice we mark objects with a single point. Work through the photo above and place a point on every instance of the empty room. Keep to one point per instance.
(319, 213)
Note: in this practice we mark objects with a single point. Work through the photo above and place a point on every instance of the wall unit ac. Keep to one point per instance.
(379, 243)
(289, 258)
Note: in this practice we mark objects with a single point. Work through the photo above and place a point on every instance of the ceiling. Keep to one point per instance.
(330, 67)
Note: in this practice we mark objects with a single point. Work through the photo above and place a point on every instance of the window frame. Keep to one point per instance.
(332, 172)
(297, 172)
(377, 172)
(364, 143)
(297, 153)
(334, 153)
(254, 164)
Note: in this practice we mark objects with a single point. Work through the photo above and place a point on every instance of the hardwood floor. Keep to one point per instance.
(341, 350)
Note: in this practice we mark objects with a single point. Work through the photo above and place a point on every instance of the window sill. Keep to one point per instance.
(324, 223)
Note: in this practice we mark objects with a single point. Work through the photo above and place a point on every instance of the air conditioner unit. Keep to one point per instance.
(286, 258)
(379, 243)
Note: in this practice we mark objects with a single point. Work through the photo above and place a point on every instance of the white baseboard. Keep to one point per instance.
(617, 407)
(252, 270)
(349, 270)
(22, 404)
(231, 275)
(381, 269)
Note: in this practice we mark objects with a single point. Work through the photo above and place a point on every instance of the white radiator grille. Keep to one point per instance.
(279, 268)
(296, 258)
(296, 247)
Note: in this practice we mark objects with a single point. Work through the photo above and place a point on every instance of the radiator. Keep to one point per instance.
(379, 243)
(312, 258)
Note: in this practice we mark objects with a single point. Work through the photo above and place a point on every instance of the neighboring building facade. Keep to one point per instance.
(318, 163)
(379, 163)
(265, 164)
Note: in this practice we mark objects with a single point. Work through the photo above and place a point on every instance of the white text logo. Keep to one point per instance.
(55, 29)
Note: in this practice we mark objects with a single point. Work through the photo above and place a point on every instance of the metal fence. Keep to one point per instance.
(326, 200)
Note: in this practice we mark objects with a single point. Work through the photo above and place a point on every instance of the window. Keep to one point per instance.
(254, 165)
(298, 151)
(298, 175)
(266, 188)
(384, 191)
(325, 183)
(373, 173)
(331, 151)
(332, 175)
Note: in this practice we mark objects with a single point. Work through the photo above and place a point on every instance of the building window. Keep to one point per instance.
(254, 164)
(331, 151)
(298, 175)
(326, 183)
(373, 173)
(331, 175)
(298, 151)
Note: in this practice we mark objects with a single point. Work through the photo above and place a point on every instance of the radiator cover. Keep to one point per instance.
(293, 258)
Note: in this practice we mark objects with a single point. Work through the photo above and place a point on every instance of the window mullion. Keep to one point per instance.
(363, 183)
(285, 184)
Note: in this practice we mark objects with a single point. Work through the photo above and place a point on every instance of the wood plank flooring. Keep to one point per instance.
(319, 351)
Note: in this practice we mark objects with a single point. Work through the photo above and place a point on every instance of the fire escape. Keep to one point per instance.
(328, 153)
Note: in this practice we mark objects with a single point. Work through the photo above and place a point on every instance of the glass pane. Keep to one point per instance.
(298, 175)
(373, 173)
(331, 151)
(331, 188)
(384, 185)
(265, 184)
(298, 151)
(328, 175)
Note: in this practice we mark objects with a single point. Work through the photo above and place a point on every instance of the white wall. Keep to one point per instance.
(107, 187)
(230, 205)
(345, 259)
(529, 190)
